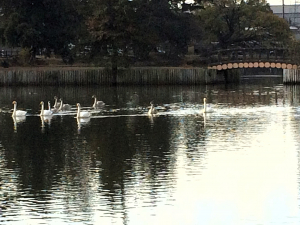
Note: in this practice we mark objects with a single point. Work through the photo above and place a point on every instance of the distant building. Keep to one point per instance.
(291, 14)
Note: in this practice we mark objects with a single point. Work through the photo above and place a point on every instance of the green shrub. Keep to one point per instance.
(24, 56)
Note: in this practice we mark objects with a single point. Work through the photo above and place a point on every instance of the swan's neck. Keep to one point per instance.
(15, 110)
(55, 103)
(61, 105)
(95, 102)
(78, 111)
(49, 106)
(151, 110)
(42, 110)
(204, 106)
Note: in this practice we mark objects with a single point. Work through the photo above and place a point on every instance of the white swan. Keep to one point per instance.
(135, 98)
(206, 109)
(81, 114)
(152, 109)
(54, 110)
(45, 112)
(56, 104)
(134, 101)
(17, 113)
(64, 107)
(97, 104)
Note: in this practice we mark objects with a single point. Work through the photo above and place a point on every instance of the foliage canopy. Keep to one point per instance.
(119, 28)
(229, 22)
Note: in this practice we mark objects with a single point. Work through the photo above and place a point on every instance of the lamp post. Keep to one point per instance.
(283, 9)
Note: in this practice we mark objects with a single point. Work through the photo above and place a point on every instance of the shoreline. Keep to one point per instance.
(74, 75)
(68, 67)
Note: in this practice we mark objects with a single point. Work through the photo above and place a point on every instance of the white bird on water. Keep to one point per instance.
(206, 109)
(17, 113)
(134, 101)
(56, 104)
(82, 114)
(97, 104)
(152, 109)
(64, 107)
(45, 112)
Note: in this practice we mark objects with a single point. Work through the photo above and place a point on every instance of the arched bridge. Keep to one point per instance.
(251, 58)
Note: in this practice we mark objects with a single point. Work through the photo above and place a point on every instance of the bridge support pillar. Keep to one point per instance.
(230, 76)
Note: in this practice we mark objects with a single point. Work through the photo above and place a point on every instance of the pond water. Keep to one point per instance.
(237, 165)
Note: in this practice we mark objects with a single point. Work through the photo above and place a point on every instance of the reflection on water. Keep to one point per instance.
(82, 122)
(18, 119)
(237, 165)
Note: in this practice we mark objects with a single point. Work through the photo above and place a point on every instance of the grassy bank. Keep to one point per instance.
(154, 60)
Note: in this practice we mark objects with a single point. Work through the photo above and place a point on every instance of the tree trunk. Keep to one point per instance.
(32, 55)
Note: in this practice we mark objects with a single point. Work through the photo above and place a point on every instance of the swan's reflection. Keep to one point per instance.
(18, 119)
(45, 119)
(208, 118)
(151, 116)
(82, 121)
(204, 119)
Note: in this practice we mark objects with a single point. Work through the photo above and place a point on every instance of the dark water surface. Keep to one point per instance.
(237, 165)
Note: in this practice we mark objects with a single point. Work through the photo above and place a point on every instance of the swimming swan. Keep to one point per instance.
(152, 109)
(206, 109)
(64, 107)
(81, 114)
(17, 113)
(56, 104)
(134, 101)
(45, 112)
(97, 104)
(53, 110)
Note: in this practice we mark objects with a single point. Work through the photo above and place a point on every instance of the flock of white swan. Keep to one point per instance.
(206, 108)
(59, 106)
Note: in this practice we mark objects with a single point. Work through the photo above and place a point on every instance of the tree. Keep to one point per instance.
(44, 24)
(140, 24)
(108, 24)
(230, 23)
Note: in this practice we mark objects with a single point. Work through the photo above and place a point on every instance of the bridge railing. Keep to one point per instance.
(249, 55)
